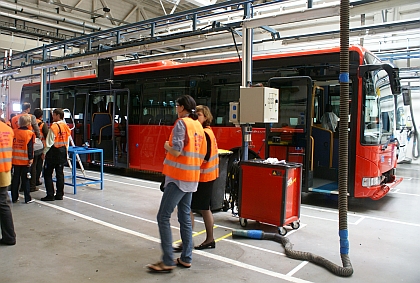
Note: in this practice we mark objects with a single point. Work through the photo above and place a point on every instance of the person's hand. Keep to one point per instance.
(166, 145)
(43, 156)
(30, 161)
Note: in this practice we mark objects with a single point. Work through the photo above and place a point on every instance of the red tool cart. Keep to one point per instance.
(270, 193)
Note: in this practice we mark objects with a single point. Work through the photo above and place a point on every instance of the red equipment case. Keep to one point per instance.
(270, 193)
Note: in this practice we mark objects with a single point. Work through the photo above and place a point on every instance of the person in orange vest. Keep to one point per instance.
(36, 167)
(26, 109)
(186, 149)
(209, 172)
(23, 156)
(8, 235)
(9, 123)
(55, 155)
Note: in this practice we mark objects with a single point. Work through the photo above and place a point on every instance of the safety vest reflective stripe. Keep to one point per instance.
(61, 139)
(186, 167)
(20, 158)
(6, 147)
(181, 166)
(59, 144)
(210, 170)
(192, 154)
(20, 146)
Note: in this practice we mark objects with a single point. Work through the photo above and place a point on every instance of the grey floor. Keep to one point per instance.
(110, 235)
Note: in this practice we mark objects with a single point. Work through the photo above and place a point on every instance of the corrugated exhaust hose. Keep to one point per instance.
(344, 271)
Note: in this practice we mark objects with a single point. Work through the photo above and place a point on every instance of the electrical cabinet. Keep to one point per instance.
(258, 105)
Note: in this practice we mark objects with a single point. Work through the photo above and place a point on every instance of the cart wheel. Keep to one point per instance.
(243, 222)
(295, 225)
(282, 231)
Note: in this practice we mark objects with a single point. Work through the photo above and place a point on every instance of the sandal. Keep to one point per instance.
(180, 263)
(160, 267)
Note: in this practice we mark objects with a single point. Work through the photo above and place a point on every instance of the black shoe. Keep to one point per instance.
(58, 198)
(38, 183)
(203, 246)
(7, 243)
(177, 248)
(48, 198)
(34, 190)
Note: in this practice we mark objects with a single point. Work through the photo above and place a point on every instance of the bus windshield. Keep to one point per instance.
(378, 103)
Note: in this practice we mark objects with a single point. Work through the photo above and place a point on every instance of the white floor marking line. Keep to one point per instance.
(407, 194)
(254, 247)
(393, 221)
(297, 268)
(333, 220)
(156, 240)
(358, 221)
(323, 210)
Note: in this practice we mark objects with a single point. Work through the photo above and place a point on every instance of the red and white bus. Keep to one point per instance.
(132, 117)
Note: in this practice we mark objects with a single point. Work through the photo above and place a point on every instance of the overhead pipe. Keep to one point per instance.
(51, 16)
(37, 21)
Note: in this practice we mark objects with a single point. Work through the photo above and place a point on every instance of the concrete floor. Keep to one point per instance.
(110, 235)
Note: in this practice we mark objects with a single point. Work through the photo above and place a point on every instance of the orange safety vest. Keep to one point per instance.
(20, 146)
(6, 147)
(41, 134)
(15, 122)
(209, 170)
(186, 167)
(61, 133)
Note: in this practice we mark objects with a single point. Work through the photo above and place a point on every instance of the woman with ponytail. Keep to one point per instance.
(186, 149)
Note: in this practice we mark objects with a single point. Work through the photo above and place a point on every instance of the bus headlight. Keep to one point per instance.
(369, 182)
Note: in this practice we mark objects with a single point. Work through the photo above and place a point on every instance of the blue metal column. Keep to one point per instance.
(247, 41)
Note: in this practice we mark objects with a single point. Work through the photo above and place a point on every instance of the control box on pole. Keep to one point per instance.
(256, 105)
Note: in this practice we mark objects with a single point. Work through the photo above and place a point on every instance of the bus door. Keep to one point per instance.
(81, 128)
(120, 127)
(290, 138)
(109, 128)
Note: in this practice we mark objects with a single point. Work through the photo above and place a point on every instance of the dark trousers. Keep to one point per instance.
(6, 220)
(36, 170)
(20, 175)
(59, 174)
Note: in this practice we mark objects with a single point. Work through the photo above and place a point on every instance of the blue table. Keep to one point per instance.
(73, 150)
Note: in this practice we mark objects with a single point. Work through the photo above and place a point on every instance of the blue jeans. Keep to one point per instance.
(172, 197)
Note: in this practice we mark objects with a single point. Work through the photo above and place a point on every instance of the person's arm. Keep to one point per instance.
(178, 139)
(31, 151)
(35, 126)
(49, 141)
(207, 157)
(44, 129)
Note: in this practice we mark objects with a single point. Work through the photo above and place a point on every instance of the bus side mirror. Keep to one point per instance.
(406, 96)
(393, 74)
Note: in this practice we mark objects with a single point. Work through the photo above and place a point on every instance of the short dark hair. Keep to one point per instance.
(189, 105)
(38, 113)
(60, 112)
(26, 106)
